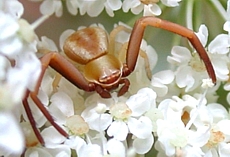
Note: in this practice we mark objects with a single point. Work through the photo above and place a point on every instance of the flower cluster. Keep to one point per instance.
(94, 7)
(19, 70)
(172, 112)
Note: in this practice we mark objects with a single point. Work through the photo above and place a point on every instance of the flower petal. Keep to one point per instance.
(141, 128)
(119, 130)
(142, 146)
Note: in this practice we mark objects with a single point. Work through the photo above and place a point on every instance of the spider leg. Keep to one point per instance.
(67, 70)
(31, 120)
(147, 66)
(56, 81)
(102, 92)
(125, 87)
(113, 34)
(137, 34)
(121, 57)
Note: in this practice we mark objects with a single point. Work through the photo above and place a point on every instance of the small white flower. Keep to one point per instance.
(151, 10)
(172, 131)
(11, 137)
(12, 7)
(134, 5)
(171, 3)
(191, 69)
(49, 7)
(97, 121)
(129, 119)
(163, 83)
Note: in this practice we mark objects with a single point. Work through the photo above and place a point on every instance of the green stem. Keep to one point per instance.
(221, 9)
(189, 14)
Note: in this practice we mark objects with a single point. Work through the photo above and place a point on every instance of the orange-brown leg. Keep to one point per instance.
(67, 70)
(125, 87)
(31, 120)
(137, 35)
(102, 92)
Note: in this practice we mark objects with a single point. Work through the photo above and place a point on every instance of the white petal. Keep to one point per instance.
(63, 102)
(60, 151)
(116, 148)
(180, 55)
(47, 43)
(200, 137)
(118, 130)
(218, 112)
(141, 128)
(221, 69)
(228, 7)
(11, 136)
(114, 4)
(203, 34)
(171, 3)
(95, 8)
(227, 26)
(151, 10)
(52, 137)
(223, 149)
(142, 101)
(219, 45)
(47, 7)
(164, 77)
(224, 126)
(90, 150)
(72, 7)
(142, 146)
(166, 145)
(159, 88)
(184, 78)
(8, 25)
(15, 8)
(37, 152)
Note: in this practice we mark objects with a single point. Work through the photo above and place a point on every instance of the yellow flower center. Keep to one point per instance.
(77, 125)
(120, 111)
(215, 138)
(197, 64)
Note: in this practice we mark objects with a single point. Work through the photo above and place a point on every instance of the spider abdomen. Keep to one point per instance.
(86, 44)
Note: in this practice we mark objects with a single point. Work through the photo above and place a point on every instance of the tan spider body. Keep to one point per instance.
(103, 70)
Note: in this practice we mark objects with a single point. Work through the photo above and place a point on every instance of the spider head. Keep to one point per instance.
(105, 71)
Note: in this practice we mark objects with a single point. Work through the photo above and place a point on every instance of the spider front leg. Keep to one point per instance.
(66, 69)
(137, 35)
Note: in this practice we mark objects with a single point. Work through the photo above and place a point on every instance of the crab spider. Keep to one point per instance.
(103, 71)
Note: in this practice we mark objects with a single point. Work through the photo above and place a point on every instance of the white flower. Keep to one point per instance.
(218, 132)
(97, 120)
(136, 6)
(191, 70)
(163, 83)
(11, 137)
(20, 68)
(152, 9)
(171, 3)
(53, 147)
(173, 131)
(49, 7)
(13, 7)
(94, 8)
(149, 6)
(129, 119)
(227, 23)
